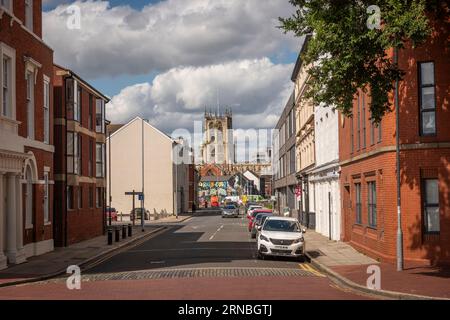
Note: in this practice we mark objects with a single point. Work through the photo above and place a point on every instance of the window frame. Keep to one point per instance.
(91, 110)
(8, 6)
(75, 155)
(98, 197)
(29, 12)
(372, 204)
(30, 101)
(46, 109)
(358, 204)
(91, 158)
(46, 198)
(364, 130)
(426, 205)
(100, 161)
(100, 103)
(8, 61)
(358, 126)
(430, 110)
(352, 135)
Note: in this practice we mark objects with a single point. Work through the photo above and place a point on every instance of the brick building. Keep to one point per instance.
(80, 175)
(26, 138)
(284, 160)
(368, 161)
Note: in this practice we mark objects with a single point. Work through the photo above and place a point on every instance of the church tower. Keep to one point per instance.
(218, 145)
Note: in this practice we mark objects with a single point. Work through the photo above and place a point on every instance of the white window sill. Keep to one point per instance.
(48, 223)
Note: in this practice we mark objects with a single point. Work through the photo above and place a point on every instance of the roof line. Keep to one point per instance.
(83, 81)
(140, 119)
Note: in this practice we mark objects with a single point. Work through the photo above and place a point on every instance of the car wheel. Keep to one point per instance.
(301, 259)
(260, 256)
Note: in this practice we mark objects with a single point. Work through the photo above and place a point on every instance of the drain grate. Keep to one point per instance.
(316, 253)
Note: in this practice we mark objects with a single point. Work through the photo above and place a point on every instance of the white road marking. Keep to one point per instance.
(218, 230)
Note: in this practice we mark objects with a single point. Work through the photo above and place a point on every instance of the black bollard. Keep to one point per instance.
(110, 237)
(117, 234)
(130, 230)
(124, 232)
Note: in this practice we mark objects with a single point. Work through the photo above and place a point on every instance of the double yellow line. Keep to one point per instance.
(308, 268)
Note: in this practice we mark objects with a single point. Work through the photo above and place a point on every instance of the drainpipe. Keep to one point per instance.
(399, 199)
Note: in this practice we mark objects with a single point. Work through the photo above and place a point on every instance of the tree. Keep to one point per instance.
(348, 48)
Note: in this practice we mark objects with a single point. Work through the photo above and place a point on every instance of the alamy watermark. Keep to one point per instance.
(74, 17)
(73, 282)
(374, 280)
(374, 19)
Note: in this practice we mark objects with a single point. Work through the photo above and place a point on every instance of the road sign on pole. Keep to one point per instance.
(298, 191)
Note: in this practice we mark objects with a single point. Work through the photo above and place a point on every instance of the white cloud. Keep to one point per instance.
(256, 89)
(121, 40)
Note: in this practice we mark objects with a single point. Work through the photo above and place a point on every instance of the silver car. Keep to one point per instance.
(230, 211)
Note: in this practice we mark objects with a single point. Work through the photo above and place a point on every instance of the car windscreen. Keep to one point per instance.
(261, 217)
(281, 225)
(230, 207)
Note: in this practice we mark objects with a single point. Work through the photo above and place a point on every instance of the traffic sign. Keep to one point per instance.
(141, 197)
(298, 191)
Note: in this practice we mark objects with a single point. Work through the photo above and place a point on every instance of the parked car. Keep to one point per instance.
(254, 213)
(137, 214)
(281, 236)
(111, 212)
(259, 221)
(230, 211)
(252, 208)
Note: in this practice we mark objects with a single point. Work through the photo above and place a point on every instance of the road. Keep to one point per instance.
(206, 257)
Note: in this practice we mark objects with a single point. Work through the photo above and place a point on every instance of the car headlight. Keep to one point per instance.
(301, 239)
(263, 238)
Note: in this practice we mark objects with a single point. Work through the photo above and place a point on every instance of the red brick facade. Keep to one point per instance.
(31, 52)
(422, 157)
(80, 194)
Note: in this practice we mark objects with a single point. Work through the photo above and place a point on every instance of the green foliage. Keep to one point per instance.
(346, 55)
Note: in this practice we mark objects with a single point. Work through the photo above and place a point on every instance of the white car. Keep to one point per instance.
(281, 236)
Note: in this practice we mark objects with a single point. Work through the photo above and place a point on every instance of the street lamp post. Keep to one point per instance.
(399, 199)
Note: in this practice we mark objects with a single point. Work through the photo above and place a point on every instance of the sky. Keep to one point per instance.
(167, 60)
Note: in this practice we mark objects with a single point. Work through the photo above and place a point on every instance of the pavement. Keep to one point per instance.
(202, 258)
(56, 262)
(348, 267)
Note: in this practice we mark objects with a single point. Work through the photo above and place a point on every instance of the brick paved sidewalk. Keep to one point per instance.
(351, 266)
(415, 279)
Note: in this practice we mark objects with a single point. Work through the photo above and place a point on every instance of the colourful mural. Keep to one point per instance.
(231, 186)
